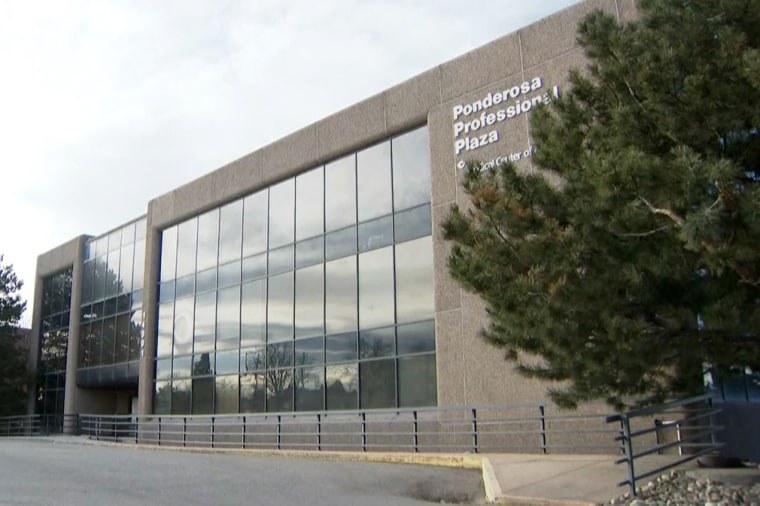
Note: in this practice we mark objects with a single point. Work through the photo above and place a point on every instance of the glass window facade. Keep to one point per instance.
(54, 336)
(315, 293)
(111, 316)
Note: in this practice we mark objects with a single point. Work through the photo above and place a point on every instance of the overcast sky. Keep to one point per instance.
(105, 105)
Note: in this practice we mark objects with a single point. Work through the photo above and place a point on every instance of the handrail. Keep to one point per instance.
(696, 438)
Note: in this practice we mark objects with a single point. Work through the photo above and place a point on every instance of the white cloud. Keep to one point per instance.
(105, 105)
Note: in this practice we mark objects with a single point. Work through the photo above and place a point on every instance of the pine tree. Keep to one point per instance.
(628, 262)
(14, 378)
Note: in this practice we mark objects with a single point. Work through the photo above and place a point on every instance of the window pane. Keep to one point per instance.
(416, 337)
(373, 180)
(340, 193)
(181, 397)
(253, 313)
(125, 269)
(187, 236)
(229, 274)
(165, 324)
(166, 291)
(208, 239)
(226, 394)
(138, 272)
(281, 213)
(97, 339)
(309, 204)
(205, 309)
(375, 234)
(253, 393)
(164, 368)
(183, 326)
(203, 364)
(377, 343)
(122, 338)
(255, 267)
(376, 288)
(342, 386)
(413, 223)
(280, 355)
(140, 227)
(228, 317)
(255, 211)
(182, 367)
(88, 276)
(310, 252)
(230, 232)
(136, 335)
(281, 260)
(414, 280)
(310, 388)
(411, 169)
(310, 351)
(378, 384)
(203, 396)
(309, 310)
(340, 348)
(253, 359)
(280, 308)
(340, 295)
(227, 362)
(109, 340)
(99, 281)
(206, 280)
(128, 234)
(280, 390)
(162, 398)
(417, 381)
(185, 286)
(340, 243)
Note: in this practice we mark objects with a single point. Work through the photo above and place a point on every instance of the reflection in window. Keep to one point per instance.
(183, 327)
(280, 307)
(314, 274)
(208, 239)
(255, 212)
(376, 343)
(252, 393)
(181, 398)
(411, 169)
(309, 310)
(376, 288)
(226, 394)
(414, 280)
(373, 180)
(165, 324)
(162, 398)
(309, 388)
(230, 232)
(281, 213)
(187, 236)
(309, 204)
(228, 317)
(416, 381)
(340, 193)
(413, 223)
(205, 309)
(280, 390)
(378, 384)
(253, 313)
(340, 295)
(342, 386)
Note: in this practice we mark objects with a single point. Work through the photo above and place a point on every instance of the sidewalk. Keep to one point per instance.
(560, 479)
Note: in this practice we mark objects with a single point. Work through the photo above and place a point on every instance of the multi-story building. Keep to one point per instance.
(311, 273)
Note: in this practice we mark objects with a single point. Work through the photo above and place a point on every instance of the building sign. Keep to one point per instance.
(475, 124)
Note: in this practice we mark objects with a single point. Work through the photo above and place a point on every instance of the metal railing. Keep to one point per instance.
(515, 428)
(684, 428)
(38, 425)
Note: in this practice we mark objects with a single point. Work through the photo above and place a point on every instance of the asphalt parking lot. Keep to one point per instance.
(38, 472)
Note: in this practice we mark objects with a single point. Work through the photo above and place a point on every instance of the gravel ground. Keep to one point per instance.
(677, 488)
